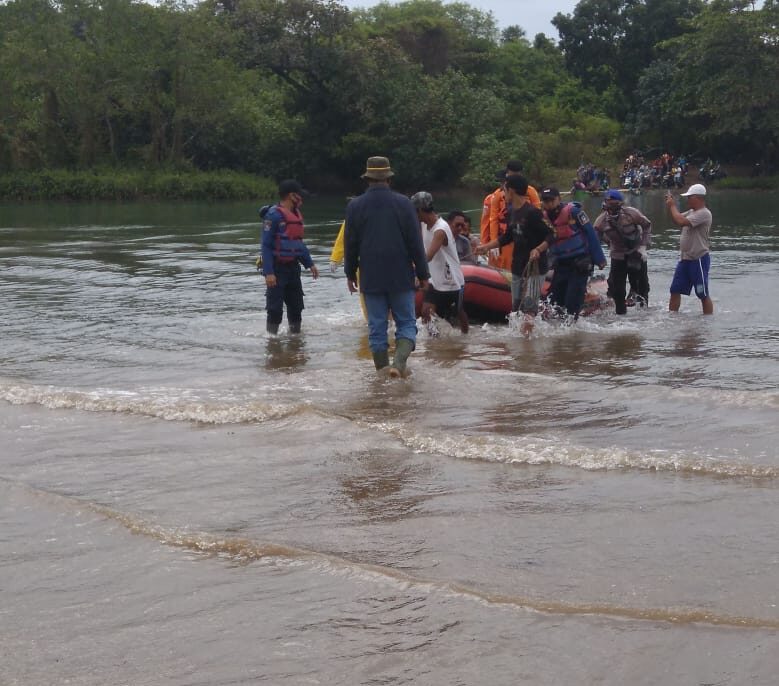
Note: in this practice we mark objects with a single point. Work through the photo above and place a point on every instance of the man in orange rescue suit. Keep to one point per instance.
(283, 251)
(498, 212)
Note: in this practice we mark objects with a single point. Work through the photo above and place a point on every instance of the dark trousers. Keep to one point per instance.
(569, 285)
(636, 274)
(287, 291)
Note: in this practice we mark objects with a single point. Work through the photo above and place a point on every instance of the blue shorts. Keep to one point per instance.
(691, 274)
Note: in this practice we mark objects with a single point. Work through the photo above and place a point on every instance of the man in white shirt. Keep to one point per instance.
(444, 294)
(692, 270)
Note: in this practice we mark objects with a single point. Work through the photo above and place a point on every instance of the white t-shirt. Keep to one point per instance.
(445, 271)
(694, 242)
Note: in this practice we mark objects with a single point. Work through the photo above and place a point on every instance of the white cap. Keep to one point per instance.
(695, 189)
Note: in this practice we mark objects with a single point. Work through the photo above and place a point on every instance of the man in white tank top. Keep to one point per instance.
(444, 294)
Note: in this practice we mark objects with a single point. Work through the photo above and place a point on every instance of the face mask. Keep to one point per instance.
(553, 212)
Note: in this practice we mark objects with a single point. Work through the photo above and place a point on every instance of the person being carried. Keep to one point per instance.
(444, 294)
(627, 233)
(382, 240)
(283, 252)
(460, 225)
(692, 270)
(573, 247)
(530, 234)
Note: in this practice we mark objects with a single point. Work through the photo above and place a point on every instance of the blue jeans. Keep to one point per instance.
(403, 312)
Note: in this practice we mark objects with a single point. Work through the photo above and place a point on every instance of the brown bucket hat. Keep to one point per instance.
(378, 169)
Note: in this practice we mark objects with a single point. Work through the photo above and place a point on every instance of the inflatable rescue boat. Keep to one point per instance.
(487, 294)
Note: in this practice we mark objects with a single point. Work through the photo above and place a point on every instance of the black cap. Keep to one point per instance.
(289, 186)
(549, 193)
(514, 166)
(517, 183)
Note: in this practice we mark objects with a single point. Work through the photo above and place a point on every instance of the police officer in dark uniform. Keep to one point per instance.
(283, 252)
(574, 249)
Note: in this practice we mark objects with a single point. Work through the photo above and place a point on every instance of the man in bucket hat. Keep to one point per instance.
(692, 270)
(382, 240)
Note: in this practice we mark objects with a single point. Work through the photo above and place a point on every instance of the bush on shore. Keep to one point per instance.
(133, 185)
(767, 183)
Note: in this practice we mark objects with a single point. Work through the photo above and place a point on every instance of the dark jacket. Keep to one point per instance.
(384, 241)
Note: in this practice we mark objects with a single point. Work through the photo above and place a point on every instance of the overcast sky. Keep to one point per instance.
(534, 16)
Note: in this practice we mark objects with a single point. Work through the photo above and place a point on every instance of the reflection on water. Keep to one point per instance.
(690, 343)
(618, 355)
(621, 346)
(449, 351)
(378, 485)
(286, 353)
(364, 348)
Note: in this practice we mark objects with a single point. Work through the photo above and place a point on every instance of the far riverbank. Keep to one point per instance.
(67, 185)
(139, 185)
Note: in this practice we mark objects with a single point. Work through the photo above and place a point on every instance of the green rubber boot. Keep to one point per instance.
(403, 348)
(381, 359)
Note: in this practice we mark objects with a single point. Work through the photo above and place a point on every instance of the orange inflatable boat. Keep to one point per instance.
(487, 294)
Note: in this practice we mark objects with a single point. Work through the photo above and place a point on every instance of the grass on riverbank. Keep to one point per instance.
(766, 183)
(133, 185)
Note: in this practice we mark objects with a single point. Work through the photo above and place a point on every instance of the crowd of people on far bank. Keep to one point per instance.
(394, 245)
(665, 171)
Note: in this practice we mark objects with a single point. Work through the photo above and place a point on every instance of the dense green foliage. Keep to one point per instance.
(117, 184)
(307, 88)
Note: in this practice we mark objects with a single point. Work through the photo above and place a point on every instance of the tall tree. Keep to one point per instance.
(608, 43)
(435, 35)
(727, 77)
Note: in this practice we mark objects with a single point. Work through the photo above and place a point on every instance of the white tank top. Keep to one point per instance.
(445, 272)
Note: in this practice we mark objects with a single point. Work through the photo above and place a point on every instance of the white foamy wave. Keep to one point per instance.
(604, 322)
(167, 404)
(537, 451)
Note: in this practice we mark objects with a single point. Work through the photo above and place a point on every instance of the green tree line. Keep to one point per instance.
(308, 88)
